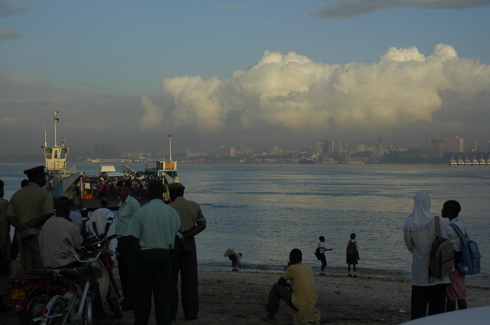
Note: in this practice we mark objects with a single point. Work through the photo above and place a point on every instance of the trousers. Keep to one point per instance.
(152, 277)
(277, 293)
(432, 296)
(125, 259)
(185, 264)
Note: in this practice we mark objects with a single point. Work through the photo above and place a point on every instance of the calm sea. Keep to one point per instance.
(263, 211)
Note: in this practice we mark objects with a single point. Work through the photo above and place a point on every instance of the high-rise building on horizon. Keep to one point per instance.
(334, 146)
(102, 150)
(454, 144)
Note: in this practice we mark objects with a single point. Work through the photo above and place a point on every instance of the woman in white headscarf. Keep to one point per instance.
(419, 233)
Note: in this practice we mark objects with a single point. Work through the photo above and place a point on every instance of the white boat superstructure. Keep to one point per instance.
(61, 181)
(470, 162)
(168, 167)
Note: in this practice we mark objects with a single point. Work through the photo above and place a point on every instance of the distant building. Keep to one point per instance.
(440, 145)
(102, 150)
(321, 147)
(334, 146)
(455, 144)
(437, 148)
(379, 150)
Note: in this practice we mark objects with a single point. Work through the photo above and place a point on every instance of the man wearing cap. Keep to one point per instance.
(192, 223)
(126, 245)
(155, 225)
(28, 209)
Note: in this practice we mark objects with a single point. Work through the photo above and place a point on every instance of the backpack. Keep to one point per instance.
(317, 253)
(351, 249)
(441, 255)
(470, 255)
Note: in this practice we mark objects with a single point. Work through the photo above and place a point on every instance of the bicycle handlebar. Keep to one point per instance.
(100, 245)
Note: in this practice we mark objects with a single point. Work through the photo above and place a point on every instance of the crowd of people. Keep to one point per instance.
(156, 245)
(155, 242)
(99, 187)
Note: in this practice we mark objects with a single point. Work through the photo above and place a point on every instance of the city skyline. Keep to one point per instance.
(259, 73)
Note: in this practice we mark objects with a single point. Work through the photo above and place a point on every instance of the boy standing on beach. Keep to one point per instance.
(321, 252)
(352, 255)
(456, 290)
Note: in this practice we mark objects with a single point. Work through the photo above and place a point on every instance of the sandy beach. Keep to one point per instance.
(239, 297)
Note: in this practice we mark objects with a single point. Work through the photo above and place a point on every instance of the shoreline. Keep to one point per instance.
(239, 297)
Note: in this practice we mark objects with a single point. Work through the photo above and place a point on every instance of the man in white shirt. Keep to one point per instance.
(98, 220)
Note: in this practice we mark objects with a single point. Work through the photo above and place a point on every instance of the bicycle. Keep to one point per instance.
(76, 306)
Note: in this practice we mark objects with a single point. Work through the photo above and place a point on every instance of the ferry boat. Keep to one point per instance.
(166, 169)
(306, 161)
(70, 183)
(61, 181)
(482, 161)
(460, 161)
(470, 162)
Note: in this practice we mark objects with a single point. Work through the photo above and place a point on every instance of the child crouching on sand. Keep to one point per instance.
(234, 258)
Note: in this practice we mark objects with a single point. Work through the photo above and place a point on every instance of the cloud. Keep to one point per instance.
(284, 99)
(234, 6)
(344, 9)
(8, 8)
(152, 116)
(292, 95)
(10, 33)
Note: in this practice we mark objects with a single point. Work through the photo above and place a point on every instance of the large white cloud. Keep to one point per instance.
(292, 93)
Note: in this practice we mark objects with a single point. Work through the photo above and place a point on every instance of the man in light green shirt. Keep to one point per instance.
(155, 225)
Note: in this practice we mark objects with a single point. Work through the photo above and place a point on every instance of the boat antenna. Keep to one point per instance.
(55, 119)
(45, 137)
(170, 145)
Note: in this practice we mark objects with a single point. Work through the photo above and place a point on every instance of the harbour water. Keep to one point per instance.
(265, 210)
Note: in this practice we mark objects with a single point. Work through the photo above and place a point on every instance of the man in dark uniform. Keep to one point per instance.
(192, 223)
(28, 209)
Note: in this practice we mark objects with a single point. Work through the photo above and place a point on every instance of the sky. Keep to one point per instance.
(257, 73)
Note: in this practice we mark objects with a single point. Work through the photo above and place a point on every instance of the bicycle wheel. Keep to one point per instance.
(57, 310)
(88, 312)
(33, 312)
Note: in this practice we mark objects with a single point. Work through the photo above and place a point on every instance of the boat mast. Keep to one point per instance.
(170, 145)
(55, 120)
(45, 136)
